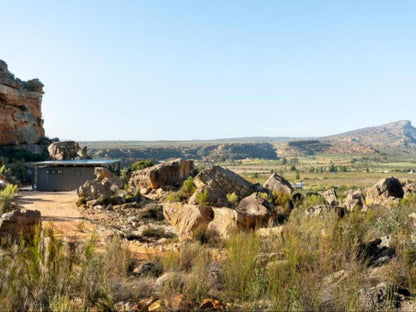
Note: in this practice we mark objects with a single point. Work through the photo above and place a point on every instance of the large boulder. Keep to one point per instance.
(19, 223)
(383, 190)
(224, 222)
(170, 173)
(330, 196)
(67, 150)
(102, 173)
(103, 187)
(186, 218)
(277, 183)
(254, 211)
(354, 199)
(219, 182)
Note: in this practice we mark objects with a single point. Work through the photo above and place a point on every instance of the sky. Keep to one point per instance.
(206, 69)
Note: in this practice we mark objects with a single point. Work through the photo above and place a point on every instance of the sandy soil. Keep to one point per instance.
(58, 209)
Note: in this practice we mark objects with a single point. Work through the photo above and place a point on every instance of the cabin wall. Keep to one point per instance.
(57, 178)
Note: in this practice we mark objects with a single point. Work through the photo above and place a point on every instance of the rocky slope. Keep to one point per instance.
(20, 109)
(395, 138)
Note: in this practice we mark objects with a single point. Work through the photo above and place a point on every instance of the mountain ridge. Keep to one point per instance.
(392, 139)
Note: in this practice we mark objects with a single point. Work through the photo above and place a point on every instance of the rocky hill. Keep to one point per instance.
(393, 139)
(20, 109)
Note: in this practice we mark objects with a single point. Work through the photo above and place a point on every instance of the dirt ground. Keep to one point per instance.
(59, 210)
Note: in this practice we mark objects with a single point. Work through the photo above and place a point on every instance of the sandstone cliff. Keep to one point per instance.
(20, 109)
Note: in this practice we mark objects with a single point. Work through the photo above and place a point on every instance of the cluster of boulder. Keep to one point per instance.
(104, 189)
(218, 217)
(254, 206)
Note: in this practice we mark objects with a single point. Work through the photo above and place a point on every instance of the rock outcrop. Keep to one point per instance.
(277, 183)
(170, 173)
(67, 150)
(19, 223)
(219, 182)
(383, 190)
(20, 109)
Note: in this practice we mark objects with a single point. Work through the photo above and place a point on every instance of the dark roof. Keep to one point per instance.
(78, 162)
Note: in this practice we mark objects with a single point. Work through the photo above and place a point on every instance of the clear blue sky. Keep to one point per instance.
(144, 70)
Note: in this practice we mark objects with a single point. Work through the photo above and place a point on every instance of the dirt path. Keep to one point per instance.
(59, 210)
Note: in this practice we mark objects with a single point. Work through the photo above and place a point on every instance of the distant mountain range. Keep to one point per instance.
(392, 139)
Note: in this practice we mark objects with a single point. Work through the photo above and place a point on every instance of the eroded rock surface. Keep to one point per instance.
(20, 109)
(170, 173)
(277, 183)
(254, 211)
(67, 150)
(330, 196)
(383, 190)
(219, 182)
(354, 199)
(20, 222)
(186, 218)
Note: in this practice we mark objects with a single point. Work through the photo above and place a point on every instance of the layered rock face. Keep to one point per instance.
(20, 109)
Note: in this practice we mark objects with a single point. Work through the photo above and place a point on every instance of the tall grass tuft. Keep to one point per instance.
(47, 273)
(6, 198)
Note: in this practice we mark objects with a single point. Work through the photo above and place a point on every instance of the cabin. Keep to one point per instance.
(68, 175)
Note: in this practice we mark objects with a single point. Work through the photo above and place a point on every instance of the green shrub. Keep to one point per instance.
(281, 198)
(141, 164)
(202, 197)
(232, 198)
(175, 197)
(266, 196)
(313, 200)
(410, 199)
(188, 187)
(6, 198)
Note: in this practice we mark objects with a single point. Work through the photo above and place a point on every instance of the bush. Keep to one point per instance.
(188, 187)
(232, 198)
(6, 198)
(141, 164)
(281, 198)
(313, 200)
(175, 197)
(202, 198)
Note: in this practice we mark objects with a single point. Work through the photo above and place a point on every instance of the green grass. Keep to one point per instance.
(6, 198)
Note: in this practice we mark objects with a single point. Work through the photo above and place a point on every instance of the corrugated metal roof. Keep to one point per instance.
(77, 162)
